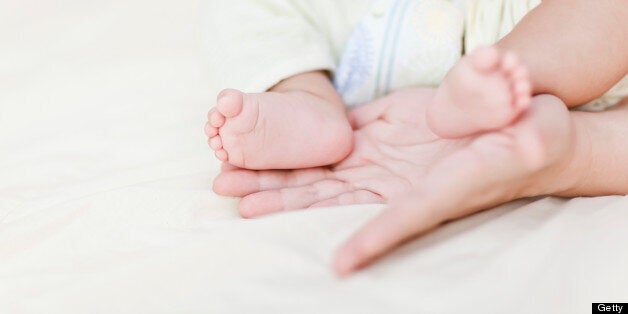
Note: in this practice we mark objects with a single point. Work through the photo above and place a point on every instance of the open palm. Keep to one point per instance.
(397, 160)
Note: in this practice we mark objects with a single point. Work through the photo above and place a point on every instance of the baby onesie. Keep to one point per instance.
(253, 44)
(399, 44)
(371, 47)
(404, 43)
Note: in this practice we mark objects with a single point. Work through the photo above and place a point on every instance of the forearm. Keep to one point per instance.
(599, 163)
(574, 49)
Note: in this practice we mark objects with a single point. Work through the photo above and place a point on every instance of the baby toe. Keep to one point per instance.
(230, 102)
(485, 59)
(211, 112)
(520, 74)
(522, 88)
(215, 143)
(522, 98)
(221, 154)
(210, 131)
(217, 119)
(510, 62)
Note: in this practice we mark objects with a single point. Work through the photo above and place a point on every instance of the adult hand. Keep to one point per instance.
(425, 179)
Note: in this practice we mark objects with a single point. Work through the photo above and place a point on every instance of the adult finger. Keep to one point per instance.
(403, 218)
(241, 182)
(272, 201)
(351, 198)
(366, 113)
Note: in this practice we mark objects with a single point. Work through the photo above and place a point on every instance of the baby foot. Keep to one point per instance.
(485, 90)
(272, 130)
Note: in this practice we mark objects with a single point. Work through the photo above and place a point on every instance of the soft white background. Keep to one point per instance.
(106, 202)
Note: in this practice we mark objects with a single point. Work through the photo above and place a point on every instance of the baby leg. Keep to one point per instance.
(573, 49)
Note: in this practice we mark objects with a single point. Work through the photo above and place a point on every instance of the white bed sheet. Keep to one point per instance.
(106, 207)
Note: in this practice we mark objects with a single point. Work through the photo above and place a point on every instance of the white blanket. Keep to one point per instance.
(106, 202)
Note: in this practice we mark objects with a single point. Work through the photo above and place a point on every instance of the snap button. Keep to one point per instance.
(378, 9)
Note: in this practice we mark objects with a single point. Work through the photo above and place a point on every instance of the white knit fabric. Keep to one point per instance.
(254, 44)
